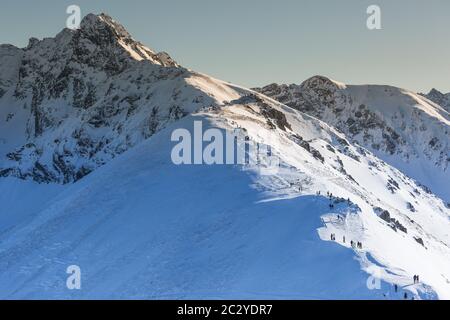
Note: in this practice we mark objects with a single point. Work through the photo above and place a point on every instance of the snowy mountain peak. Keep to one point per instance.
(104, 31)
(66, 102)
(97, 24)
(400, 126)
(434, 91)
(322, 82)
(439, 98)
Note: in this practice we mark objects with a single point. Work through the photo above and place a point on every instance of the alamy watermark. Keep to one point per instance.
(374, 280)
(74, 20)
(374, 20)
(73, 281)
(214, 147)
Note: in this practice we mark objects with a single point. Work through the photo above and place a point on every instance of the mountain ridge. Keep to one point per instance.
(400, 126)
(93, 132)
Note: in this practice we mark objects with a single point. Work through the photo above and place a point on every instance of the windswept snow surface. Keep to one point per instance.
(94, 110)
(142, 227)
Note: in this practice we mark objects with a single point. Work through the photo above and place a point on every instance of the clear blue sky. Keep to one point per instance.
(256, 42)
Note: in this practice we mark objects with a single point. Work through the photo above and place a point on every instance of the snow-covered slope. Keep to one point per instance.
(401, 127)
(140, 226)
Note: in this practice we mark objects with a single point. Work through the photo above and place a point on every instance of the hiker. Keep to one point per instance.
(405, 296)
(343, 239)
(395, 288)
(415, 279)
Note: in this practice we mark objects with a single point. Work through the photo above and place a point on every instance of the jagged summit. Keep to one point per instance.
(319, 81)
(82, 85)
(99, 36)
(93, 23)
(104, 31)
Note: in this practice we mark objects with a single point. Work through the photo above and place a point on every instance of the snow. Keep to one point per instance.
(401, 127)
(22, 199)
(140, 226)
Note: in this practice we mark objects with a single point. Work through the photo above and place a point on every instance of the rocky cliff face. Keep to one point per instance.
(403, 128)
(69, 104)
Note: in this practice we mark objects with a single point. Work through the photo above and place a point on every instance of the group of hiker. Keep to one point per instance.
(405, 294)
(356, 244)
(352, 243)
(333, 199)
(359, 244)
(330, 195)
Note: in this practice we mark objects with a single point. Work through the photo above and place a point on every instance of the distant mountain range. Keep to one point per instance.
(87, 120)
(399, 126)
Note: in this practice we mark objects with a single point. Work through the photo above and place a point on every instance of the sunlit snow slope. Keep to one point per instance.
(405, 129)
(142, 227)
(87, 179)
